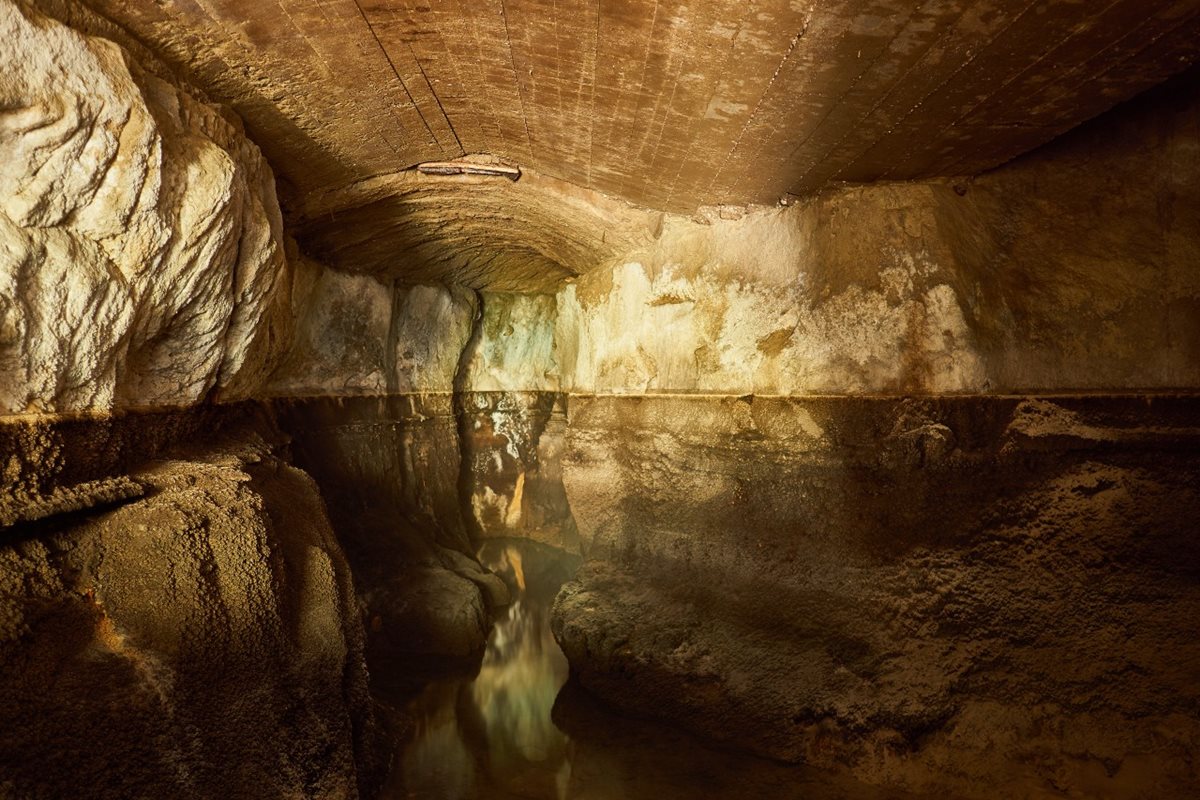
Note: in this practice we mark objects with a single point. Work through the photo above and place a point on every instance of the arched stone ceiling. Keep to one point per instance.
(667, 104)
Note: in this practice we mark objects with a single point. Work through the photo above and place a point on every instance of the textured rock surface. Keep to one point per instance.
(415, 484)
(485, 233)
(202, 639)
(670, 106)
(985, 597)
(853, 293)
(1069, 269)
(141, 249)
(361, 335)
(1073, 268)
(50, 458)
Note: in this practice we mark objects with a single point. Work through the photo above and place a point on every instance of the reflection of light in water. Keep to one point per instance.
(491, 738)
(521, 675)
(494, 733)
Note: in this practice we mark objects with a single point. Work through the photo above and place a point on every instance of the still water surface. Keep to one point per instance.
(496, 735)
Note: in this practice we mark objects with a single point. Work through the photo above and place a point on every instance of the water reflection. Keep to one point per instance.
(491, 734)
(494, 735)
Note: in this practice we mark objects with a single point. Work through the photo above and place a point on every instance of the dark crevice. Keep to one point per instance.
(462, 414)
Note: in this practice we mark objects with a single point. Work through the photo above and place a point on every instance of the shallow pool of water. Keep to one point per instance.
(517, 728)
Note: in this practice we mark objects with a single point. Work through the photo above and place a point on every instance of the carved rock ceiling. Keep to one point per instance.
(667, 104)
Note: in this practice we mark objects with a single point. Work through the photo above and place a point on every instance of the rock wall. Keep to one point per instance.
(974, 596)
(1072, 268)
(202, 634)
(360, 335)
(968, 597)
(850, 294)
(142, 258)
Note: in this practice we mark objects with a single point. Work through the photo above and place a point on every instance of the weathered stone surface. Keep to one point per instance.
(361, 335)
(48, 458)
(141, 245)
(513, 347)
(668, 104)
(1072, 268)
(426, 612)
(202, 638)
(850, 294)
(485, 233)
(341, 339)
(980, 597)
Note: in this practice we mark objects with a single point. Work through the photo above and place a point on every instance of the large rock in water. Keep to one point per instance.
(200, 641)
(980, 597)
(141, 244)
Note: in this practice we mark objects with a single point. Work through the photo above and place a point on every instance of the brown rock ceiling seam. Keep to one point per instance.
(924, 120)
(737, 140)
(973, 28)
(442, 119)
(340, 23)
(757, 51)
(429, 31)
(990, 90)
(924, 30)
(884, 32)
(790, 105)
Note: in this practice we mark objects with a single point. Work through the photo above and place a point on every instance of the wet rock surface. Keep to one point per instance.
(415, 485)
(201, 640)
(985, 596)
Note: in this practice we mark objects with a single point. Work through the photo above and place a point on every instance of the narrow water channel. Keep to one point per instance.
(491, 734)
(519, 729)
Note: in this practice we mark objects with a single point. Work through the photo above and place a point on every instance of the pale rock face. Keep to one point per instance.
(430, 328)
(362, 335)
(141, 245)
(340, 339)
(514, 350)
(749, 306)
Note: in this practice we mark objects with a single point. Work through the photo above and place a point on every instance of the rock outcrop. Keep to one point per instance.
(202, 638)
(1041, 276)
(1070, 269)
(141, 245)
(985, 598)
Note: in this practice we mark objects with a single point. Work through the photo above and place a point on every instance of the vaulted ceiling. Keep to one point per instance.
(669, 104)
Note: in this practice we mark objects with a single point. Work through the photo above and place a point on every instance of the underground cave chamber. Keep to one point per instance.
(605, 400)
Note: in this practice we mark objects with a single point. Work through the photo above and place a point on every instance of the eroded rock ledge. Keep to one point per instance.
(203, 635)
(989, 597)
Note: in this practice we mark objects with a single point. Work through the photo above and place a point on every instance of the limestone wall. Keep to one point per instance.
(1071, 269)
(141, 245)
(1074, 268)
